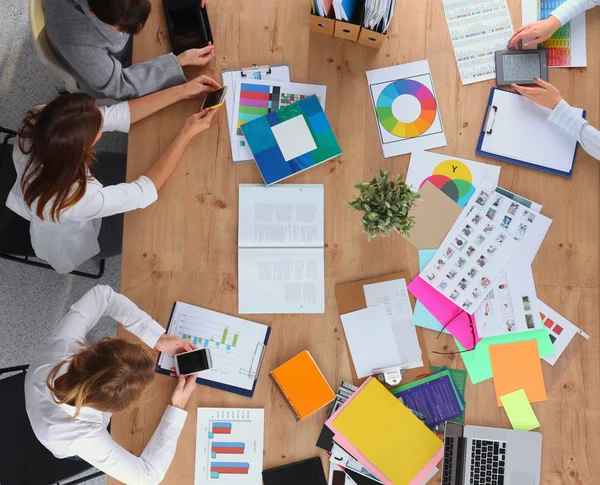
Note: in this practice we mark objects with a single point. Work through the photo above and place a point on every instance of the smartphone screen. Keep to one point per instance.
(214, 98)
(192, 362)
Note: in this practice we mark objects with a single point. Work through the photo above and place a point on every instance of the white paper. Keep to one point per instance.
(294, 138)
(289, 93)
(247, 431)
(456, 177)
(287, 280)
(234, 344)
(471, 257)
(522, 131)
(241, 153)
(418, 72)
(560, 329)
(371, 340)
(512, 305)
(478, 28)
(394, 295)
(281, 216)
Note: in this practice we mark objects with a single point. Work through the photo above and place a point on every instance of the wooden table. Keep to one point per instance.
(184, 246)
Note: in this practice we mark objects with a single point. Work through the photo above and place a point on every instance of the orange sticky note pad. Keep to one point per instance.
(517, 366)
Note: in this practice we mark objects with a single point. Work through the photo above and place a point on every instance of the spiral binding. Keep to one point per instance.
(285, 397)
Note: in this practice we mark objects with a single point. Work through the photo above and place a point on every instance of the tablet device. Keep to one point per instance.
(521, 67)
(187, 24)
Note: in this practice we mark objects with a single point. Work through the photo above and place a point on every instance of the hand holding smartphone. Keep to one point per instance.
(193, 362)
(215, 98)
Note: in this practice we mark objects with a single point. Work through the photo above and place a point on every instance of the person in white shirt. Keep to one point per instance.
(72, 388)
(53, 154)
(546, 94)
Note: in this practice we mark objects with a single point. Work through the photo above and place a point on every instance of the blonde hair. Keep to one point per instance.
(107, 376)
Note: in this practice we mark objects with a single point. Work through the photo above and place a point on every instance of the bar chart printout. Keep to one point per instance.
(229, 446)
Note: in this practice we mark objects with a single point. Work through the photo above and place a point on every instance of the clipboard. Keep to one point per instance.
(278, 72)
(351, 297)
(253, 371)
(520, 126)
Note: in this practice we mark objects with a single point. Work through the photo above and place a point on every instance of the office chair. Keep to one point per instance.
(23, 459)
(15, 242)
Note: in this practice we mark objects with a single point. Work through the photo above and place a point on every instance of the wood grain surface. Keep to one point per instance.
(184, 247)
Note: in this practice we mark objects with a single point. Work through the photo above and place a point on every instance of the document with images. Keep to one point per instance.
(478, 28)
(281, 256)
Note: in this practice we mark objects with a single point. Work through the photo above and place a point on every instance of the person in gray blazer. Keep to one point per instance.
(94, 40)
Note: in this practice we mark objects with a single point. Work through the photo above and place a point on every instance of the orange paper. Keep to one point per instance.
(517, 366)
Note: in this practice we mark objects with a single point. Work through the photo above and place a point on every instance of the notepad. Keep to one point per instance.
(519, 411)
(302, 385)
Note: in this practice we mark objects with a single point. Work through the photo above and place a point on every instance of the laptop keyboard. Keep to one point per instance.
(447, 463)
(487, 462)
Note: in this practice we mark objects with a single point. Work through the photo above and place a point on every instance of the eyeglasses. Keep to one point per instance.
(472, 334)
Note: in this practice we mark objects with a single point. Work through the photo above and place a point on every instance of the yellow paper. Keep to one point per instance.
(519, 411)
(387, 433)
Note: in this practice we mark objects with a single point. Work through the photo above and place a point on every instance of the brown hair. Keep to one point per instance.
(59, 140)
(128, 16)
(107, 376)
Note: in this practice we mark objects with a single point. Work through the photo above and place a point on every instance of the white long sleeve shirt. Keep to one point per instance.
(86, 436)
(572, 8)
(74, 238)
(571, 121)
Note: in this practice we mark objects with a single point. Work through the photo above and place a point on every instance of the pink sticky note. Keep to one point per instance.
(444, 310)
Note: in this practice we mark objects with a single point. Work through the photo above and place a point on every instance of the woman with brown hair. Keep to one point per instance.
(55, 189)
(72, 388)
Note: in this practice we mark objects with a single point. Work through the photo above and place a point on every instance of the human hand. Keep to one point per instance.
(198, 86)
(183, 391)
(197, 57)
(173, 345)
(545, 94)
(197, 123)
(203, 3)
(538, 32)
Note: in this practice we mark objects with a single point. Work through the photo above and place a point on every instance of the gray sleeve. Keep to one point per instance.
(106, 76)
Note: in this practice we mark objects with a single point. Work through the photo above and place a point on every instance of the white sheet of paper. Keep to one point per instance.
(380, 79)
(394, 295)
(371, 340)
(477, 30)
(560, 329)
(294, 138)
(285, 215)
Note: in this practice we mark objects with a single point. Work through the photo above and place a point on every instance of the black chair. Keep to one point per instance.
(23, 459)
(15, 243)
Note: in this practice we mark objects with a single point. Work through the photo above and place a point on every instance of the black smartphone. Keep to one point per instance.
(188, 25)
(193, 362)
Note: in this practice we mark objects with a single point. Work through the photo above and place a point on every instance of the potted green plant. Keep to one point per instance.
(386, 203)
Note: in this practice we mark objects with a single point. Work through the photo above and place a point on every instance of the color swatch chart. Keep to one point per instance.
(229, 445)
(559, 45)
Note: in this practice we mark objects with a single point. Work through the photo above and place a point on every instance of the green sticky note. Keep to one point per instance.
(477, 361)
(519, 411)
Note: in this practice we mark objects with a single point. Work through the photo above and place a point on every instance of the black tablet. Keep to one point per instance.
(188, 25)
(521, 66)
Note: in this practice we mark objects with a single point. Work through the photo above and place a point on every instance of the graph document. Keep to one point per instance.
(229, 446)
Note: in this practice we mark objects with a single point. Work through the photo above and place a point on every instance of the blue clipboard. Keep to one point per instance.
(217, 385)
(479, 151)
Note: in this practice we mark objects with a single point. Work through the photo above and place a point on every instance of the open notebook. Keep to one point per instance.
(280, 249)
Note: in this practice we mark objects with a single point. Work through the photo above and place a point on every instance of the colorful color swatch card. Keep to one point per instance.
(406, 108)
(421, 316)
(455, 177)
(519, 411)
(291, 140)
(560, 329)
(517, 366)
(471, 257)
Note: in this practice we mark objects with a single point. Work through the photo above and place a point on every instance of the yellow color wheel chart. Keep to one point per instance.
(412, 88)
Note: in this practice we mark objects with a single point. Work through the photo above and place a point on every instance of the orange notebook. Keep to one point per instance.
(302, 385)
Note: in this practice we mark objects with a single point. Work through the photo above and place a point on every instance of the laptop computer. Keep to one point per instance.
(476, 455)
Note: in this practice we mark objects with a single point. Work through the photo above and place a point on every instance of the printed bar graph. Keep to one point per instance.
(231, 468)
(224, 337)
(221, 428)
(235, 339)
(206, 342)
(228, 448)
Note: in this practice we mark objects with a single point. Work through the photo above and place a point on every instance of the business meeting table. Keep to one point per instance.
(184, 247)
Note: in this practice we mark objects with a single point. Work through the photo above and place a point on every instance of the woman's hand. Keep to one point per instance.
(538, 32)
(173, 345)
(197, 57)
(198, 86)
(183, 391)
(197, 123)
(545, 94)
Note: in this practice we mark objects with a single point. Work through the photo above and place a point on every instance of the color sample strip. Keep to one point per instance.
(228, 448)
(221, 428)
(232, 468)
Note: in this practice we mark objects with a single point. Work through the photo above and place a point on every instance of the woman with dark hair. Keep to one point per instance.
(68, 208)
(73, 387)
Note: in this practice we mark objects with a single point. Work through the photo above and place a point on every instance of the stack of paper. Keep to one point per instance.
(347, 10)
(378, 15)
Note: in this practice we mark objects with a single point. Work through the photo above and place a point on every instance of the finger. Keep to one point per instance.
(518, 31)
(208, 81)
(542, 83)
(204, 50)
(519, 37)
(190, 383)
(180, 384)
(532, 42)
(189, 347)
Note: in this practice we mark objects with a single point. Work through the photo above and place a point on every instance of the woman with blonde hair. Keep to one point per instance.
(72, 389)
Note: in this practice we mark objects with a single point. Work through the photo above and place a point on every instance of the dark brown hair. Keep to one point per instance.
(107, 376)
(128, 16)
(59, 141)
